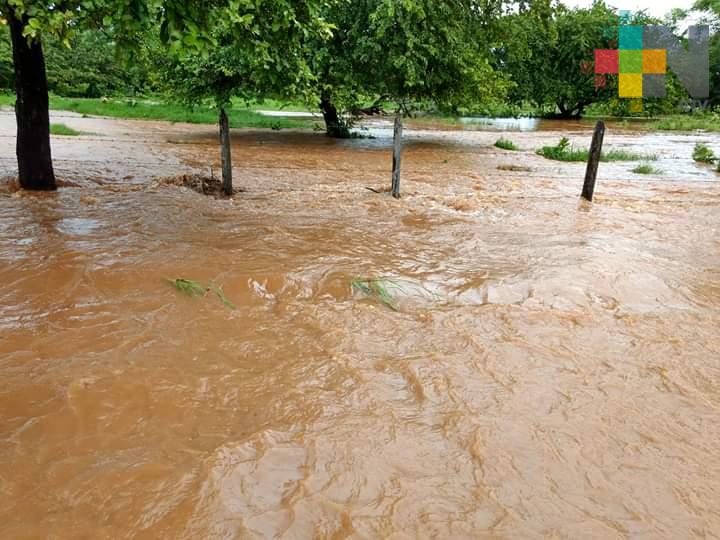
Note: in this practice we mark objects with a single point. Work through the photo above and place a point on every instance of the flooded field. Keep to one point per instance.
(552, 371)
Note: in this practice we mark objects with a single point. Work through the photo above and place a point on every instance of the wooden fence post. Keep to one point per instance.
(397, 154)
(593, 161)
(226, 158)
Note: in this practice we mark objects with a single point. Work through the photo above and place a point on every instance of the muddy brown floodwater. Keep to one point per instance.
(552, 371)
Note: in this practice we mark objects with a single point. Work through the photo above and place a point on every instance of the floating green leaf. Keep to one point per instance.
(196, 289)
(378, 288)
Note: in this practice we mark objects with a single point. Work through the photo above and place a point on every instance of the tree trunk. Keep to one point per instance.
(225, 156)
(334, 127)
(31, 110)
(397, 154)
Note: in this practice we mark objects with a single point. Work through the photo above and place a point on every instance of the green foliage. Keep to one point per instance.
(196, 289)
(646, 168)
(377, 288)
(505, 144)
(7, 71)
(703, 154)
(421, 52)
(91, 68)
(261, 49)
(688, 122)
(62, 129)
(181, 22)
(549, 54)
(564, 151)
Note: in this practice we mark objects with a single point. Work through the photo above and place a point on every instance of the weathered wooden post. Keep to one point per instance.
(225, 156)
(593, 161)
(397, 154)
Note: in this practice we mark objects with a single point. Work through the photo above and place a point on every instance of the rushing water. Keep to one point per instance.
(553, 370)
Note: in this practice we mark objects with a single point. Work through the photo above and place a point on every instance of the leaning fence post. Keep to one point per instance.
(593, 161)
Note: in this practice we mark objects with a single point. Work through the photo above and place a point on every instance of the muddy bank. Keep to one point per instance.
(552, 369)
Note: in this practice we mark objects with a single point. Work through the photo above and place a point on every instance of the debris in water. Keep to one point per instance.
(378, 288)
(205, 185)
(196, 289)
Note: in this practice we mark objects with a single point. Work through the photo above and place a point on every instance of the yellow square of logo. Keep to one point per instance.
(654, 61)
(631, 85)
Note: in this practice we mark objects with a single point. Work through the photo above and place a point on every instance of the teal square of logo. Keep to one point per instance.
(631, 61)
(631, 37)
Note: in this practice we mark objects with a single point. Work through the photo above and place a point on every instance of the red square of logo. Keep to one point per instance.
(606, 61)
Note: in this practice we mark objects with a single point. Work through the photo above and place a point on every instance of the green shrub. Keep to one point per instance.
(703, 154)
(505, 144)
(646, 168)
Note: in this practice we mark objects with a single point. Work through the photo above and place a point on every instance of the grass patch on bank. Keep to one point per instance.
(506, 144)
(687, 122)
(62, 129)
(157, 110)
(564, 151)
(646, 168)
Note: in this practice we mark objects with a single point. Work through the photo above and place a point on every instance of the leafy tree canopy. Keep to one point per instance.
(259, 50)
(417, 51)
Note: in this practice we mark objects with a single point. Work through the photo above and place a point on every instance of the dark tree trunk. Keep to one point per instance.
(225, 156)
(334, 126)
(397, 155)
(31, 110)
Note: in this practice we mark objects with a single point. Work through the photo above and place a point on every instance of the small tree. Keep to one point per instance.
(259, 50)
(429, 53)
(549, 54)
(29, 20)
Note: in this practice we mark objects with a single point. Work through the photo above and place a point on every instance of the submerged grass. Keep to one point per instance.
(564, 151)
(195, 289)
(703, 154)
(646, 168)
(377, 288)
(505, 144)
(171, 112)
(62, 129)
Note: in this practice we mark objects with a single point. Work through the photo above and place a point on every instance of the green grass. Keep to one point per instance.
(687, 122)
(563, 151)
(646, 168)
(62, 129)
(377, 288)
(195, 289)
(703, 154)
(505, 144)
(155, 110)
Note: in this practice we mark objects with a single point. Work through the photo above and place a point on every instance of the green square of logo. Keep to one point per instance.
(631, 61)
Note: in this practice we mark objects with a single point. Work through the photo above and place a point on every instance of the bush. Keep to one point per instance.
(505, 144)
(646, 168)
(703, 154)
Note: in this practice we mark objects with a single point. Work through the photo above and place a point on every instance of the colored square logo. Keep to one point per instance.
(631, 85)
(631, 61)
(606, 61)
(653, 86)
(654, 61)
(631, 37)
